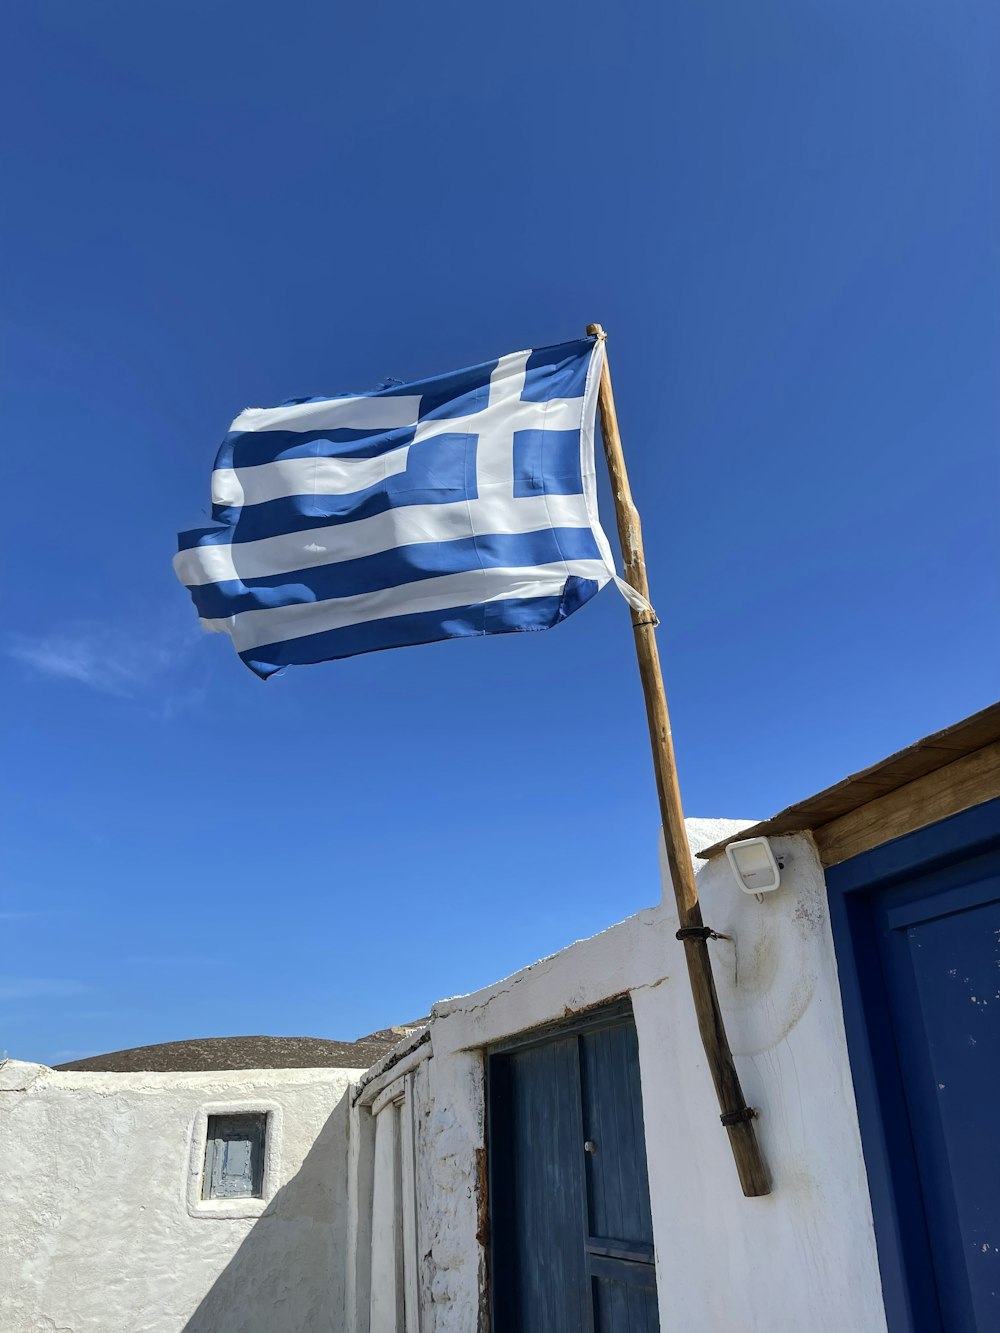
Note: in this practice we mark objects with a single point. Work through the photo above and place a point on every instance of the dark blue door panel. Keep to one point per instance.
(941, 954)
(571, 1232)
(617, 1183)
(622, 1306)
(537, 1205)
(917, 930)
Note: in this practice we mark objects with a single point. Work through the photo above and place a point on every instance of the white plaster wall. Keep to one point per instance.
(361, 1204)
(450, 1133)
(386, 1301)
(95, 1231)
(802, 1258)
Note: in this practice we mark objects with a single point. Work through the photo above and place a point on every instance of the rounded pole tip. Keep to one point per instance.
(595, 331)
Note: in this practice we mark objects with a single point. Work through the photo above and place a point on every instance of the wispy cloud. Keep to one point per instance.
(125, 662)
(101, 656)
(39, 988)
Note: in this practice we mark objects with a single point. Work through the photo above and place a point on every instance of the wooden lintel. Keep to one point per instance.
(965, 782)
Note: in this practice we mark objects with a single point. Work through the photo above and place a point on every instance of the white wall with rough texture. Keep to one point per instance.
(97, 1231)
(451, 1191)
(801, 1258)
(386, 1261)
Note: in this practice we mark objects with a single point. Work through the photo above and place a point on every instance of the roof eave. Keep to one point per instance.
(897, 770)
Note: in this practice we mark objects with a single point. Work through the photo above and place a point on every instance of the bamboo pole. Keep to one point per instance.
(736, 1116)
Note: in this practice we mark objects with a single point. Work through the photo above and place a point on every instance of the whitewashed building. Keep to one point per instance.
(545, 1155)
(110, 1221)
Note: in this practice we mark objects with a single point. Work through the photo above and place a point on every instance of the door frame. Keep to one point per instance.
(606, 1013)
(603, 1014)
(904, 1251)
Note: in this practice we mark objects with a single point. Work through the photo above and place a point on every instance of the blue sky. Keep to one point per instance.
(785, 216)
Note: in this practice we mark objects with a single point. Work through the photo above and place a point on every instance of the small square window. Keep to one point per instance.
(234, 1157)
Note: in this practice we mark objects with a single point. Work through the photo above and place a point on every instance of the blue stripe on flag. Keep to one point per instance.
(187, 541)
(388, 569)
(557, 372)
(503, 617)
(452, 394)
(251, 448)
(440, 470)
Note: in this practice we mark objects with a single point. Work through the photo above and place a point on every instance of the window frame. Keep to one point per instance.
(244, 1206)
(249, 1127)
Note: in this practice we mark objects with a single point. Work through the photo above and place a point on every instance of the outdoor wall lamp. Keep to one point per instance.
(754, 864)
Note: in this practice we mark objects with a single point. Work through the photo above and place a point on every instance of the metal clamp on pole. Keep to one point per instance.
(739, 1117)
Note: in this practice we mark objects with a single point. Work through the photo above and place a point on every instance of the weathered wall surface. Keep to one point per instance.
(450, 1192)
(98, 1233)
(803, 1257)
(386, 1261)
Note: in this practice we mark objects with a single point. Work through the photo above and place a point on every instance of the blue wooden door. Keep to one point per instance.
(619, 1228)
(940, 948)
(571, 1232)
(917, 929)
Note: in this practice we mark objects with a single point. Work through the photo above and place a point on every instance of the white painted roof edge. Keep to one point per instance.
(20, 1075)
(410, 1042)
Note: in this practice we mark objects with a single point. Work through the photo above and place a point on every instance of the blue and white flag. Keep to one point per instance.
(460, 505)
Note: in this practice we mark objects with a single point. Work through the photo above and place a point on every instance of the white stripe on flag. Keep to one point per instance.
(556, 414)
(304, 476)
(291, 551)
(251, 629)
(368, 413)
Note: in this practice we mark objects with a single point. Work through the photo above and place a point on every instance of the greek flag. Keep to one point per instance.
(460, 505)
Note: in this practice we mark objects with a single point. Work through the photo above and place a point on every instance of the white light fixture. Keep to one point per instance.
(754, 865)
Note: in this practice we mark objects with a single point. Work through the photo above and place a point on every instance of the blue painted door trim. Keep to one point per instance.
(904, 1247)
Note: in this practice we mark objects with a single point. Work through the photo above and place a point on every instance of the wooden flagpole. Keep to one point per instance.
(736, 1115)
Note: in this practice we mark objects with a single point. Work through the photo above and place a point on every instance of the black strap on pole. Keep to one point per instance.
(738, 1117)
